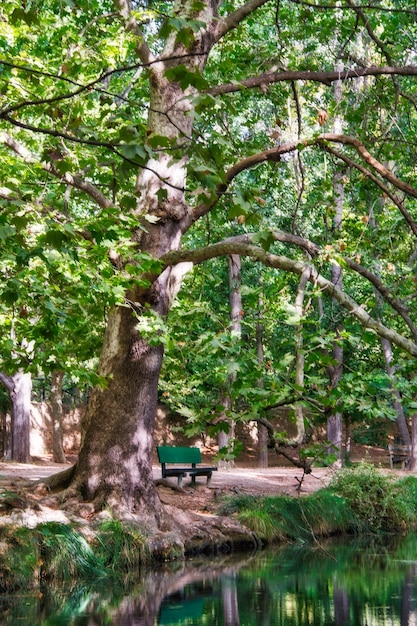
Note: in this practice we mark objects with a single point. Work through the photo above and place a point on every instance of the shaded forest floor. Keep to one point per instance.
(204, 498)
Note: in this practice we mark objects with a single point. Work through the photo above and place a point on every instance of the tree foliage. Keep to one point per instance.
(136, 137)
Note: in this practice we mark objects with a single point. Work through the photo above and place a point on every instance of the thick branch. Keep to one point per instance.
(296, 267)
(274, 154)
(399, 202)
(233, 20)
(7, 382)
(366, 156)
(318, 77)
(313, 250)
(131, 25)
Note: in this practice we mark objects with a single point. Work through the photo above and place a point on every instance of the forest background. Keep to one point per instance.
(248, 168)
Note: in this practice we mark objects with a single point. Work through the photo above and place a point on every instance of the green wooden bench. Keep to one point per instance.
(399, 454)
(176, 455)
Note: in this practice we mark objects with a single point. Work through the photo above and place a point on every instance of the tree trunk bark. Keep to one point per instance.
(335, 420)
(413, 461)
(235, 305)
(299, 356)
(262, 431)
(58, 454)
(19, 387)
(396, 396)
(115, 461)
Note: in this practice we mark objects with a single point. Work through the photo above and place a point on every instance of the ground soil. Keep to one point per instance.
(204, 498)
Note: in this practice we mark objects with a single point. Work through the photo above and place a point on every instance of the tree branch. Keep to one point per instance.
(399, 203)
(295, 267)
(341, 7)
(274, 155)
(226, 24)
(69, 179)
(319, 77)
(7, 381)
(131, 25)
(366, 156)
(313, 250)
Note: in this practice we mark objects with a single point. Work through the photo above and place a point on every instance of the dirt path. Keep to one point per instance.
(202, 497)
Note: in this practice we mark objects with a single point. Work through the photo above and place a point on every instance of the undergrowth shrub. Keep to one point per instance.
(358, 500)
(378, 502)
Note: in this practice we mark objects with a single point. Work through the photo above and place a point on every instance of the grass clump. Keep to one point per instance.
(377, 502)
(57, 552)
(120, 547)
(64, 553)
(286, 519)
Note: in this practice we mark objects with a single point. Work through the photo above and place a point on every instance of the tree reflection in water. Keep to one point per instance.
(347, 584)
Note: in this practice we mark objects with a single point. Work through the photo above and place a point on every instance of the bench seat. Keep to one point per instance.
(181, 455)
(399, 454)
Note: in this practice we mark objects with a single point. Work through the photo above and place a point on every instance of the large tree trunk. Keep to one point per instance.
(19, 387)
(115, 460)
(58, 454)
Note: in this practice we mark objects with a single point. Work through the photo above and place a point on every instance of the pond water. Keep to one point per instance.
(336, 583)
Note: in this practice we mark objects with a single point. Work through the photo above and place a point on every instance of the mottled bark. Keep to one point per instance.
(115, 461)
(413, 461)
(263, 438)
(19, 387)
(334, 421)
(299, 356)
(396, 396)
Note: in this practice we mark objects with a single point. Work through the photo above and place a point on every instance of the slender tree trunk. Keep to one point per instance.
(225, 439)
(413, 460)
(299, 356)
(335, 420)
(58, 454)
(19, 387)
(262, 431)
(396, 396)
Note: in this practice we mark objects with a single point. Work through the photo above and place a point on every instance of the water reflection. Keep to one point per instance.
(340, 584)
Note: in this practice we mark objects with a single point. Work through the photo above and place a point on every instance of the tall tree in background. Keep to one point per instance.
(155, 117)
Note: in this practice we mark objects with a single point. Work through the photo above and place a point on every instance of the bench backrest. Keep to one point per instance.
(177, 454)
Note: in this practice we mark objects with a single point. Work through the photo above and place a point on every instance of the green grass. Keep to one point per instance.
(57, 552)
(359, 500)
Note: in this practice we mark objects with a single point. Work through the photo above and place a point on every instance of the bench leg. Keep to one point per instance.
(193, 479)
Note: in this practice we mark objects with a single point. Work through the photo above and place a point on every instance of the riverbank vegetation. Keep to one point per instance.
(359, 500)
(58, 552)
